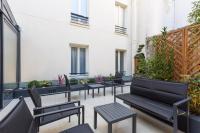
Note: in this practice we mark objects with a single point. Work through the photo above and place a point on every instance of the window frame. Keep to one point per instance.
(120, 21)
(7, 17)
(78, 18)
(78, 69)
(118, 63)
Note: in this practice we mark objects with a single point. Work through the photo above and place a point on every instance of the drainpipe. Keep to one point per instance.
(131, 35)
(174, 23)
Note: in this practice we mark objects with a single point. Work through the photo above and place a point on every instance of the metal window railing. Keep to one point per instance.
(120, 30)
(79, 19)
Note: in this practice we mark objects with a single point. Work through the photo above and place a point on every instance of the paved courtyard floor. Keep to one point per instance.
(145, 123)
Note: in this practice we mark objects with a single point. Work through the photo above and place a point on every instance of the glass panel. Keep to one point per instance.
(116, 15)
(74, 60)
(9, 61)
(116, 61)
(124, 17)
(121, 61)
(75, 5)
(120, 16)
(84, 9)
(82, 60)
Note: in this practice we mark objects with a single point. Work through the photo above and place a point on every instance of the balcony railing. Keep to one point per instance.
(120, 30)
(79, 19)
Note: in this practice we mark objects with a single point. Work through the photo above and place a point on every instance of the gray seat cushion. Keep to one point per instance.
(161, 91)
(50, 118)
(159, 109)
(84, 128)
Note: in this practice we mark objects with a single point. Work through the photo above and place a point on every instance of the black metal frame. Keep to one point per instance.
(120, 30)
(7, 16)
(79, 19)
(176, 112)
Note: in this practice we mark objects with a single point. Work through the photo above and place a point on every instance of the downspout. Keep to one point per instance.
(131, 36)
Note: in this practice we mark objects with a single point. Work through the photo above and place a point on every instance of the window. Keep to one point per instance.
(79, 13)
(78, 60)
(120, 19)
(119, 61)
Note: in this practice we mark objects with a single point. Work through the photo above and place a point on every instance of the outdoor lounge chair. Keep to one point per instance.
(35, 96)
(20, 120)
(72, 88)
(115, 82)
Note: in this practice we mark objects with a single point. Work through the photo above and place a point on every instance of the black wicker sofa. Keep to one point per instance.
(164, 100)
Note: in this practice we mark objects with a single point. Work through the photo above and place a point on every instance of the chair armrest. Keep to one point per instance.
(37, 117)
(179, 103)
(55, 93)
(55, 105)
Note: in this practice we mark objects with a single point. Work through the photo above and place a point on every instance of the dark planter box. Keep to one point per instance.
(194, 124)
(45, 90)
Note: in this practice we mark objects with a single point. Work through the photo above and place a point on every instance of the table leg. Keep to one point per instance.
(114, 90)
(85, 94)
(98, 90)
(109, 128)
(134, 124)
(95, 119)
(69, 96)
(121, 89)
(104, 91)
(92, 93)
(88, 91)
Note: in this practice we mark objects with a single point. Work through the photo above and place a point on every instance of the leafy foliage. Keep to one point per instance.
(73, 81)
(33, 83)
(38, 84)
(194, 16)
(194, 92)
(45, 83)
(160, 65)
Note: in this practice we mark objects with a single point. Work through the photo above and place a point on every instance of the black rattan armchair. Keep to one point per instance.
(39, 109)
(115, 82)
(20, 120)
(72, 88)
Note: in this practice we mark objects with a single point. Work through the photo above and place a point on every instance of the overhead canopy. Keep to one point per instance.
(5, 9)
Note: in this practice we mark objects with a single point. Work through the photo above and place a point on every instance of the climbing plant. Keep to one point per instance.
(194, 15)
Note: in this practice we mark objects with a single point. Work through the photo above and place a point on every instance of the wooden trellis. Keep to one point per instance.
(186, 45)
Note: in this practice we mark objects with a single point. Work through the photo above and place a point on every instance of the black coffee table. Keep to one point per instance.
(95, 86)
(112, 113)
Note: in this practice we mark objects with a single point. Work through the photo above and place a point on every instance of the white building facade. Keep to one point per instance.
(74, 37)
(89, 37)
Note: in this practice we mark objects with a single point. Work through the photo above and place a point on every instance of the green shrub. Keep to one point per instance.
(160, 65)
(45, 83)
(91, 80)
(194, 93)
(34, 84)
(84, 81)
(194, 16)
(73, 81)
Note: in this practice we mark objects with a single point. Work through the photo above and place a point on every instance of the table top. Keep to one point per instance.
(95, 85)
(114, 112)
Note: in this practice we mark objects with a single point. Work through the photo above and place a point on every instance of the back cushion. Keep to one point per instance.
(166, 92)
(18, 120)
(35, 96)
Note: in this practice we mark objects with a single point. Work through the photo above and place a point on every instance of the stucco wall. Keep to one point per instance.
(46, 34)
(152, 15)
